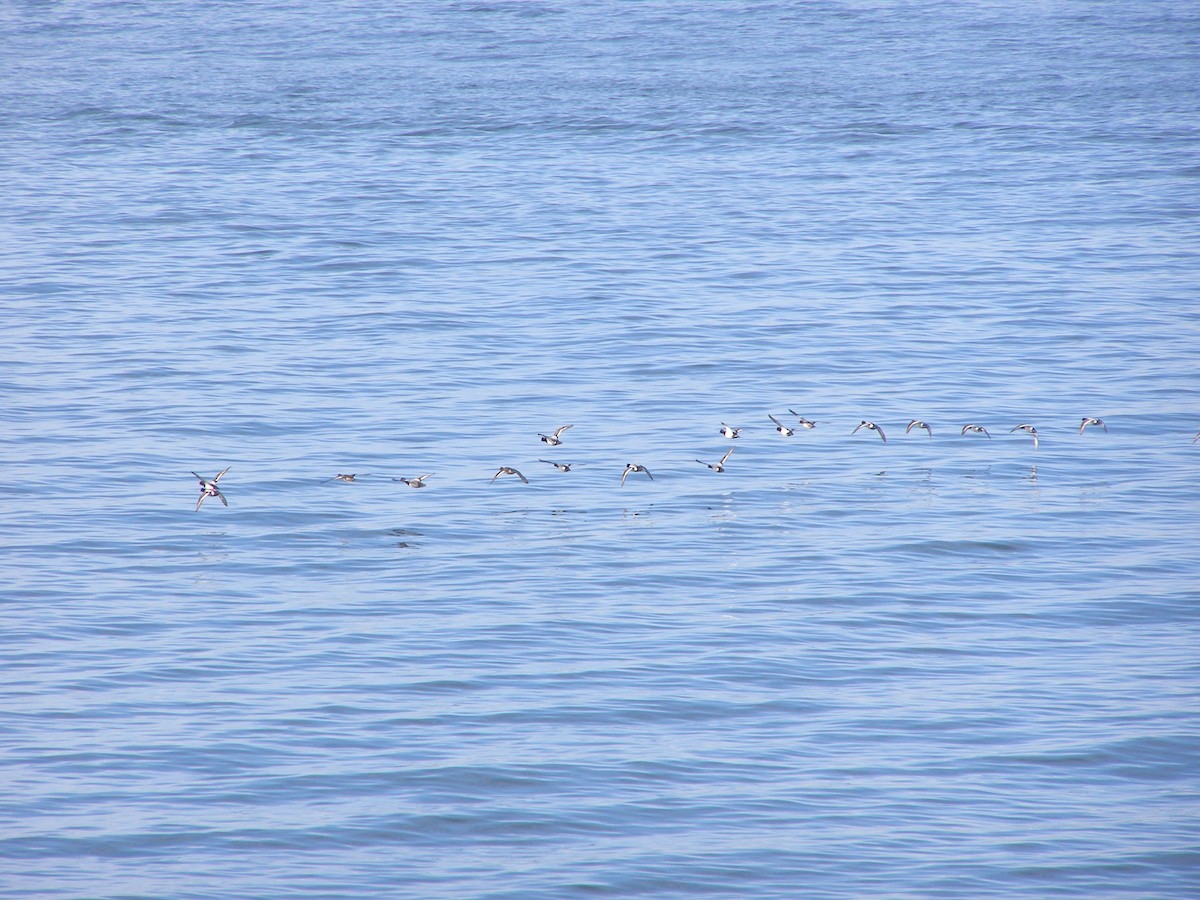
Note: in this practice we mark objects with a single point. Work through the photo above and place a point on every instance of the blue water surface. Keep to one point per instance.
(304, 239)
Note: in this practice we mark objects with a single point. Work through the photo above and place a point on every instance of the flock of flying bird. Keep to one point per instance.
(209, 488)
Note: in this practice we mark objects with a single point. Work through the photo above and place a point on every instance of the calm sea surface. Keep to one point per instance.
(307, 238)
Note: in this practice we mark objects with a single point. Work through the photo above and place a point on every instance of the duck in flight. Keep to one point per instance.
(418, 482)
(917, 423)
(730, 432)
(780, 427)
(209, 488)
(807, 423)
(509, 470)
(634, 467)
(1089, 420)
(717, 466)
(872, 426)
(556, 438)
(1028, 429)
(975, 429)
(562, 467)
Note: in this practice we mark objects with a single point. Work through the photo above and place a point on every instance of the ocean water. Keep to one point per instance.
(299, 239)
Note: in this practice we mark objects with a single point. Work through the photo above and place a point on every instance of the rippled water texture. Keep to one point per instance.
(306, 239)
